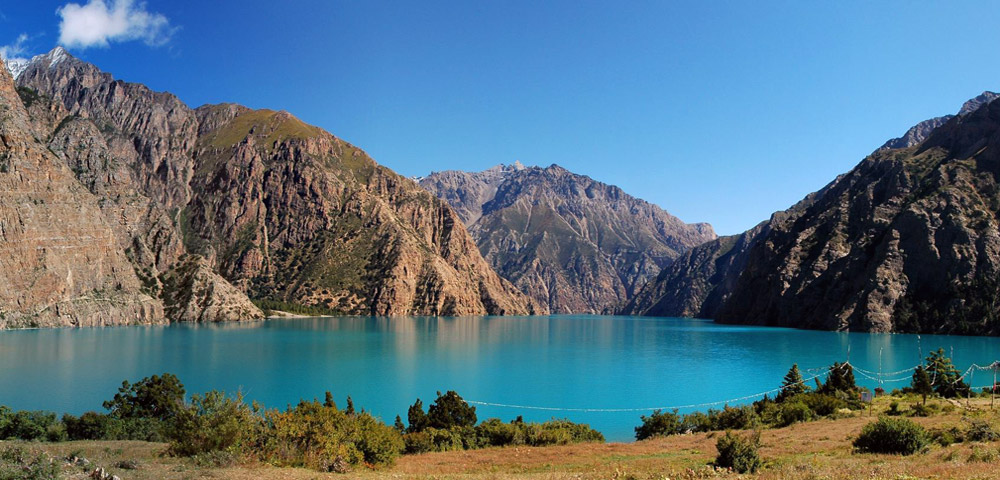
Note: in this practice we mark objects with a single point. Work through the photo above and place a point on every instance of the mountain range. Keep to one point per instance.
(121, 205)
(907, 241)
(127, 206)
(569, 242)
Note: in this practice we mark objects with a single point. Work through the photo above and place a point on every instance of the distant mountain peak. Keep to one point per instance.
(919, 132)
(973, 104)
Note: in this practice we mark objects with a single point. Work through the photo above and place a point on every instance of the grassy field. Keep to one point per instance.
(820, 449)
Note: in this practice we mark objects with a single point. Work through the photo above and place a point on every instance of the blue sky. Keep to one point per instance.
(717, 111)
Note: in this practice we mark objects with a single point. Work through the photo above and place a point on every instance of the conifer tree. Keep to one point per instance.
(399, 425)
(350, 406)
(840, 379)
(328, 402)
(792, 384)
(416, 417)
(922, 382)
(944, 376)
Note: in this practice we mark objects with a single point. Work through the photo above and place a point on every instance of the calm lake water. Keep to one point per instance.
(572, 362)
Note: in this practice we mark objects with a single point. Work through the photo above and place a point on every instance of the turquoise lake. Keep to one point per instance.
(569, 362)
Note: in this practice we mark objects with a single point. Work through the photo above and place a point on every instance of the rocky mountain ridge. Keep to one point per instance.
(213, 205)
(568, 241)
(907, 241)
(919, 132)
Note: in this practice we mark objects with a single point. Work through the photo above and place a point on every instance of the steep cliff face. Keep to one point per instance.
(569, 242)
(906, 241)
(293, 213)
(698, 282)
(61, 264)
(280, 209)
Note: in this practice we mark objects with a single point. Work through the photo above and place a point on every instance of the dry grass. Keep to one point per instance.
(814, 450)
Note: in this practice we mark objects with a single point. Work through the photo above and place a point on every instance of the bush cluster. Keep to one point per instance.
(218, 429)
(20, 463)
(739, 452)
(892, 435)
(450, 424)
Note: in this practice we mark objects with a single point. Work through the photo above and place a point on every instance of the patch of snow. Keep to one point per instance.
(57, 55)
(17, 66)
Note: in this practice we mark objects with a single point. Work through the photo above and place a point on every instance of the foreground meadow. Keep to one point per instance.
(817, 449)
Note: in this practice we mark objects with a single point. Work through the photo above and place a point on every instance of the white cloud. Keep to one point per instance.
(16, 50)
(95, 24)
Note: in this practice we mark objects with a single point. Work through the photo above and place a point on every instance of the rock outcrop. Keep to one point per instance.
(193, 292)
(907, 241)
(61, 265)
(279, 209)
(571, 243)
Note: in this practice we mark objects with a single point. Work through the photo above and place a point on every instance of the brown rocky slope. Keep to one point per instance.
(61, 265)
(568, 241)
(282, 210)
(907, 241)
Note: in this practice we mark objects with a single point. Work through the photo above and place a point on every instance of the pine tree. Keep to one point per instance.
(792, 385)
(399, 425)
(840, 379)
(922, 382)
(416, 417)
(329, 403)
(944, 376)
(350, 406)
(450, 410)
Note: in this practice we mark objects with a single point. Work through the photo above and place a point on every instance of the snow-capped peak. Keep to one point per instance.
(57, 55)
(16, 66)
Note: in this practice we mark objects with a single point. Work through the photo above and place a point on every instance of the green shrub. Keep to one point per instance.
(893, 410)
(921, 410)
(892, 435)
(986, 455)
(659, 424)
(980, 431)
(495, 432)
(212, 422)
(30, 425)
(321, 437)
(19, 463)
(89, 426)
(794, 412)
(562, 432)
(450, 410)
(739, 452)
(158, 397)
(696, 422)
(734, 418)
(822, 404)
(418, 442)
(946, 437)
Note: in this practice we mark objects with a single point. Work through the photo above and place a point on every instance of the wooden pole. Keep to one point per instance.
(993, 388)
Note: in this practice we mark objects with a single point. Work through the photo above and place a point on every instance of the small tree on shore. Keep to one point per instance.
(944, 376)
(450, 410)
(792, 384)
(416, 417)
(840, 379)
(922, 383)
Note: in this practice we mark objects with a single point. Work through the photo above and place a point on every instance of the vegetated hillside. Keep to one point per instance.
(568, 241)
(907, 241)
(224, 197)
